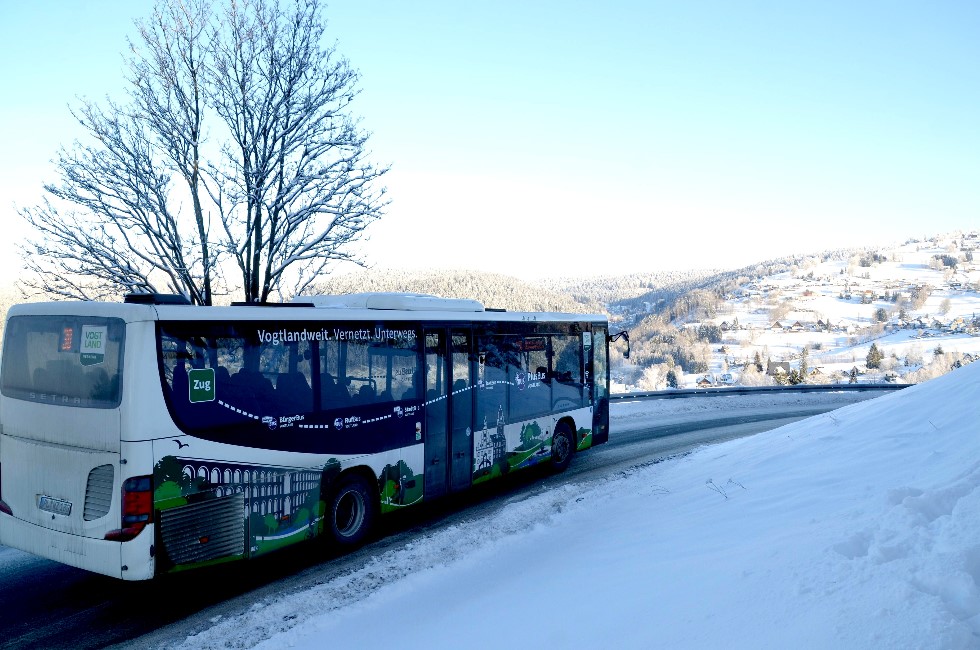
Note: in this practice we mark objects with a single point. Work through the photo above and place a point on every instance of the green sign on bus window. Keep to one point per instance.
(201, 385)
(93, 345)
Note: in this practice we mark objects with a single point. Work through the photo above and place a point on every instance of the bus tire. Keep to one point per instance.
(351, 511)
(562, 447)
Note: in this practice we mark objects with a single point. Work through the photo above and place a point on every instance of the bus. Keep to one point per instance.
(150, 436)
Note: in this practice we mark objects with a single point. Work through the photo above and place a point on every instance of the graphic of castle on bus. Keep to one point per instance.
(491, 457)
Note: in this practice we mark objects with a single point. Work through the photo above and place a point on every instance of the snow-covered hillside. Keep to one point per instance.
(922, 315)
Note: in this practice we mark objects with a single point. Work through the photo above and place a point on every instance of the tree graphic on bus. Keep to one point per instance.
(399, 486)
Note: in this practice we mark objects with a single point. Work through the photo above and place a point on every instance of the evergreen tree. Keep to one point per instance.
(804, 366)
(875, 356)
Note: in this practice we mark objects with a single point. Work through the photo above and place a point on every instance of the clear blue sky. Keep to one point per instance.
(583, 137)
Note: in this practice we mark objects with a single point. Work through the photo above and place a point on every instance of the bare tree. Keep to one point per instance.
(167, 93)
(235, 145)
(296, 183)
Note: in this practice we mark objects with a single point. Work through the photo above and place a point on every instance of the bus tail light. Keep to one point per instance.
(3, 504)
(137, 508)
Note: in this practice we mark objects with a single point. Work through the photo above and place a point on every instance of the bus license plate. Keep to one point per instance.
(56, 506)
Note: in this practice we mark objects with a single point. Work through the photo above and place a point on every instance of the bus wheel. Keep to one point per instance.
(562, 447)
(352, 511)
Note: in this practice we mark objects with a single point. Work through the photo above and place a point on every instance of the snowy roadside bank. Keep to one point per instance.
(852, 529)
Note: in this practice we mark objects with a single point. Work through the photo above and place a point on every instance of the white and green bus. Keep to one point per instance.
(148, 436)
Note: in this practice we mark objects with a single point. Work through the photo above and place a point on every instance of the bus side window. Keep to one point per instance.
(413, 390)
(495, 351)
(221, 376)
(293, 393)
(180, 381)
(568, 387)
(251, 390)
(365, 395)
(332, 395)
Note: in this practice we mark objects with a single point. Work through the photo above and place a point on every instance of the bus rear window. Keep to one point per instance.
(64, 360)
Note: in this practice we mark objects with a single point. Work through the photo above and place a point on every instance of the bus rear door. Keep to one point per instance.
(448, 411)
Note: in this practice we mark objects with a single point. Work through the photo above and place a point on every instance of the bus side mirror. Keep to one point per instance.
(622, 335)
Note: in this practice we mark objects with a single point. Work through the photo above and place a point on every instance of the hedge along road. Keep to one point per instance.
(50, 605)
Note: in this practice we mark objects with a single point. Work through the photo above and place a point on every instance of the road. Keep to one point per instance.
(49, 605)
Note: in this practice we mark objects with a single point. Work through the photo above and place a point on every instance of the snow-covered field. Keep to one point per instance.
(858, 528)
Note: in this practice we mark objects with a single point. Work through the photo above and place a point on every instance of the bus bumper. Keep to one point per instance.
(124, 560)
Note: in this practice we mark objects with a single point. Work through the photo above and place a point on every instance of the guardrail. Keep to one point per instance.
(746, 390)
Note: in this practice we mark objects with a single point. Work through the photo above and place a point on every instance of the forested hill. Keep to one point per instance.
(609, 290)
(575, 295)
(492, 289)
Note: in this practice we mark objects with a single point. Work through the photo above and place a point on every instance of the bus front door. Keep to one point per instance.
(448, 411)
